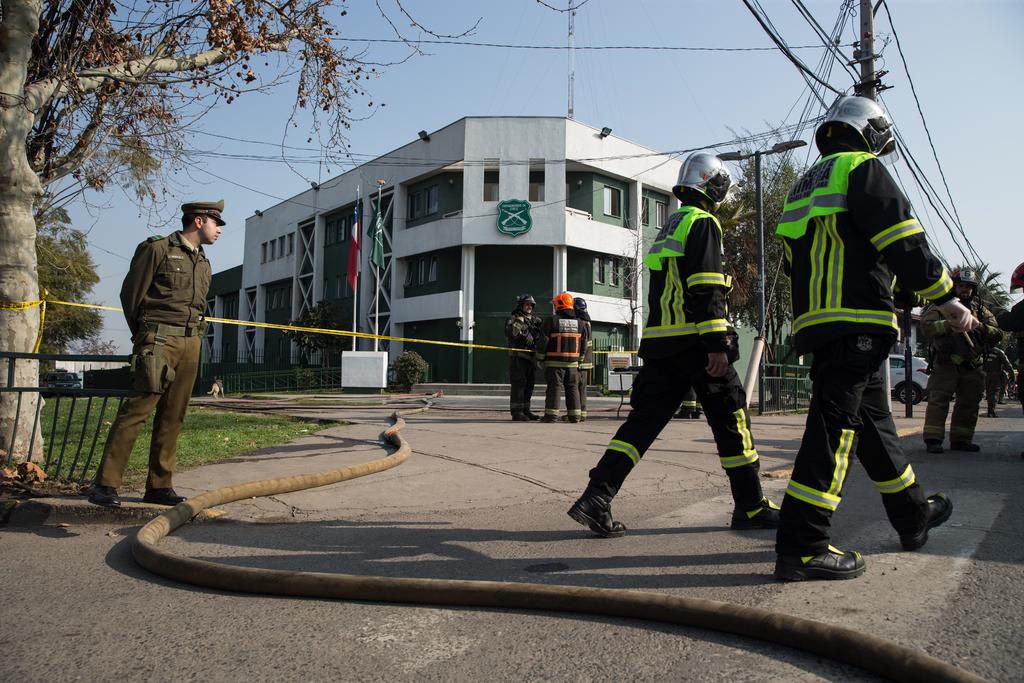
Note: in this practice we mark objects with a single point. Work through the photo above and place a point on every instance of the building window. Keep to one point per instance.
(271, 243)
(291, 243)
(415, 205)
(421, 274)
(537, 186)
(263, 258)
(614, 265)
(662, 212)
(599, 269)
(432, 273)
(337, 287)
(645, 211)
(280, 246)
(491, 185)
(431, 200)
(409, 273)
(612, 201)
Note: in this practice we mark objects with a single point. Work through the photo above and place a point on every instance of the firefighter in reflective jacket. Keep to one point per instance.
(687, 342)
(847, 232)
(563, 343)
(956, 360)
(587, 362)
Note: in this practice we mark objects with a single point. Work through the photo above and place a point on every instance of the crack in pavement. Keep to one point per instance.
(496, 470)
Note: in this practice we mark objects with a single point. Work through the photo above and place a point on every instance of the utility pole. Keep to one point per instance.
(572, 57)
(865, 53)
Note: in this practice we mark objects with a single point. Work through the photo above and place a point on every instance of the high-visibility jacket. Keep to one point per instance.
(686, 299)
(564, 340)
(848, 233)
(587, 361)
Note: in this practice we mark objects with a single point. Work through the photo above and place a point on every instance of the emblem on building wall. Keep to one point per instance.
(514, 217)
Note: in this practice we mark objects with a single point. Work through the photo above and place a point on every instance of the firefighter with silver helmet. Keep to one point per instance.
(687, 342)
(957, 362)
(848, 232)
(522, 330)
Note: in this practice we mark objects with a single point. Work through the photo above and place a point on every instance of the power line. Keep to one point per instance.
(786, 50)
(511, 46)
(928, 133)
(830, 41)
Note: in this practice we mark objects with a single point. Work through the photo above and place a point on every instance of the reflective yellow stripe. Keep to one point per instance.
(808, 495)
(706, 279)
(716, 325)
(842, 461)
(669, 331)
(749, 454)
(940, 288)
(622, 447)
(895, 233)
(837, 259)
(849, 315)
(817, 265)
(900, 483)
(788, 251)
(677, 292)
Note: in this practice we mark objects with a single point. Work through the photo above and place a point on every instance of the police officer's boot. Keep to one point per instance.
(832, 564)
(594, 510)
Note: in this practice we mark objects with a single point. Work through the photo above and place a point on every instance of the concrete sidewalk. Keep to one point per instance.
(469, 438)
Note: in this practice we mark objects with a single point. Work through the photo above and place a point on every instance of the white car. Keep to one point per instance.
(918, 378)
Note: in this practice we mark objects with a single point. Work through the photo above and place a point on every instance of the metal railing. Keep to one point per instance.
(295, 379)
(787, 388)
(62, 463)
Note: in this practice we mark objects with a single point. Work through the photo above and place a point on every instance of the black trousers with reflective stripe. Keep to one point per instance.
(559, 379)
(657, 393)
(522, 376)
(847, 395)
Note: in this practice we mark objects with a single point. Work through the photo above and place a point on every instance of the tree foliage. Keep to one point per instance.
(68, 273)
(324, 315)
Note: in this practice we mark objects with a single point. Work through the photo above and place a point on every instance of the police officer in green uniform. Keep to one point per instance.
(687, 343)
(587, 362)
(522, 330)
(164, 301)
(956, 361)
(998, 373)
(848, 232)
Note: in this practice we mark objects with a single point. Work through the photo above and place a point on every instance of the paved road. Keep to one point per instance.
(485, 498)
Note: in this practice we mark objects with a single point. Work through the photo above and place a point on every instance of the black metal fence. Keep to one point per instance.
(70, 432)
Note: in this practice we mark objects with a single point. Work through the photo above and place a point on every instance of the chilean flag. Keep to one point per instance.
(353, 250)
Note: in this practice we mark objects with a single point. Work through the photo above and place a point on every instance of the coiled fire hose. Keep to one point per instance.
(868, 652)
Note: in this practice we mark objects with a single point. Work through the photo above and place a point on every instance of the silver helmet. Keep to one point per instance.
(864, 116)
(705, 173)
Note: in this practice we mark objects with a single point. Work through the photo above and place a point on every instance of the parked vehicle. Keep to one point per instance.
(918, 378)
(60, 379)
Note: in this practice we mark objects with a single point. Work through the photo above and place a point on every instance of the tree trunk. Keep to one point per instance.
(19, 190)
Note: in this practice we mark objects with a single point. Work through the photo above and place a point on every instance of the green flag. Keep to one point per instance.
(377, 236)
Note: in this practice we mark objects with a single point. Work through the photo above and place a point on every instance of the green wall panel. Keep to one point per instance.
(446, 362)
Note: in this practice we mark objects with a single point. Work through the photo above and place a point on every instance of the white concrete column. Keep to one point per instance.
(218, 329)
(261, 332)
(467, 309)
(319, 230)
(561, 265)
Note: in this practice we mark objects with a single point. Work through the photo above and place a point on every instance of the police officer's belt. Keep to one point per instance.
(163, 330)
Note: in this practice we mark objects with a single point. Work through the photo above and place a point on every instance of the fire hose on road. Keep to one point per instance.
(868, 652)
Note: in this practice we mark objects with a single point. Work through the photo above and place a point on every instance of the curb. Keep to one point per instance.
(50, 511)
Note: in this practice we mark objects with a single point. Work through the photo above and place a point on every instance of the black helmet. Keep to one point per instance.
(967, 276)
(526, 299)
(579, 304)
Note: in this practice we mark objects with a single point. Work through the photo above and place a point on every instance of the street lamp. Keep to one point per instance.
(759, 207)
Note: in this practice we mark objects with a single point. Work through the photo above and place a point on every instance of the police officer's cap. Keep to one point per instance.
(211, 209)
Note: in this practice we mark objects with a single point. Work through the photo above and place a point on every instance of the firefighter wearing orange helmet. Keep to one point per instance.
(563, 344)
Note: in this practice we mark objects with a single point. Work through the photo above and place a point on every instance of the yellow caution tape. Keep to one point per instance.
(276, 326)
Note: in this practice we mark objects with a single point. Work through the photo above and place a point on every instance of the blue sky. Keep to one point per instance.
(965, 59)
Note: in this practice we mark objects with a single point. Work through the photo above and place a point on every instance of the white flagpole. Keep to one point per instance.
(355, 290)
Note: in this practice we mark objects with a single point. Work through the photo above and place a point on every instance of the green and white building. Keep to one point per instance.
(474, 214)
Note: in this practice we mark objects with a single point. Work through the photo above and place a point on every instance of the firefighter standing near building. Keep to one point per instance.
(956, 362)
(522, 330)
(562, 347)
(164, 301)
(587, 362)
(998, 373)
(687, 342)
(847, 231)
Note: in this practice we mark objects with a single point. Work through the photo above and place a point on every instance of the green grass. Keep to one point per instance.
(208, 436)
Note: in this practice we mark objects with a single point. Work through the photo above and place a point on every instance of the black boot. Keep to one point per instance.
(531, 416)
(162, 497)
(933, 446)
(992, 412)
(519, 417)
(594, 510)
(833, 564)
(940, 507)
(105, 496)
(764, 516)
